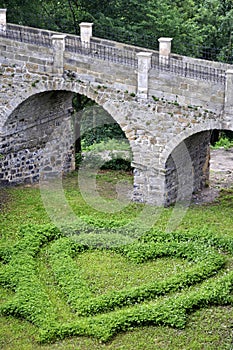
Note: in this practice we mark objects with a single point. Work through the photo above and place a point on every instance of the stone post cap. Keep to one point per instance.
(229, 71)
(144, 54)
(58, 36)
(85, 24)
(85, 32)
(3, 16)
(165, 39)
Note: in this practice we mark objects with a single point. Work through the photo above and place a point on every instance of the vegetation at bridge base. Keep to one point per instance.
(222, 139)
(64, 288)
(97, 132)
(199, 28)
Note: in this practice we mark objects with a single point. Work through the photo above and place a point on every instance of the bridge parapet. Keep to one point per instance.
(175, 64)
(102, 62)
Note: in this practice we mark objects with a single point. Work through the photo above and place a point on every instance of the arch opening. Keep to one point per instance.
(26, 133)
(50, 116)
(193, 172)
(99, 136)
(202, 173)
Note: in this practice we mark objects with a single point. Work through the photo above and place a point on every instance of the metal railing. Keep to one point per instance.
(103, 52)
(128, 35)
(189, 70)
(204, 52)
(26, 35)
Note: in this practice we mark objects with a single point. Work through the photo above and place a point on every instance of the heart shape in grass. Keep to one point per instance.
(70, 275)
(114, 309)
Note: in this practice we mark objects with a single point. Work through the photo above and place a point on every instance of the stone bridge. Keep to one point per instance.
(166, 104)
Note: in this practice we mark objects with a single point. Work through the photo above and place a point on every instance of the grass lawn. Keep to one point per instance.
(203, 241)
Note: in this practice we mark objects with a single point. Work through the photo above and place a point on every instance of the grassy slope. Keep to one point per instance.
(207, 328)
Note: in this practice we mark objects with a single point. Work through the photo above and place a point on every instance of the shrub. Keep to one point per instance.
(117, 164)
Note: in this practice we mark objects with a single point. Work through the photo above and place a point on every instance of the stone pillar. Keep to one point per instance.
(164, 50)
(228, 107)
(144, 65)
(85, 32)
(3, 20)
(148, 185)
(58, 43)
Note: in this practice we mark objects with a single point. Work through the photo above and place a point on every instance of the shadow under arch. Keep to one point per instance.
(35, 114)
(97, 133)
(191, 169)
(107, 99)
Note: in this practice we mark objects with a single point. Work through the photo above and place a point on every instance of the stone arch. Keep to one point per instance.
(187, 165)
(109, 100)
(178, 139)
(41, 89)
(100, 97)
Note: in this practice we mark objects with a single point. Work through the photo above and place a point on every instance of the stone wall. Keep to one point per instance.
(101, 72)
(187, 91)
(32, 138)
(35, 58)
(173, 87)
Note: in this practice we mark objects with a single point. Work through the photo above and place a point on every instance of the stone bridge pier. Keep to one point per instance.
(32, 138)
(163, 178)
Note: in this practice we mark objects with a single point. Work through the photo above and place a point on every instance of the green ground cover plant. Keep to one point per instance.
(223, 142)
(31, 301)
(109, 145)
(60, 292)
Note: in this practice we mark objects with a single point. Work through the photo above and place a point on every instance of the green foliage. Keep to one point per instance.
(67, 273)
(103, 133)
(96, 124)
(97, 131)
(223, 142)
(108, 145)
(172, 311)
(102, 240)
(209, 264)
(51, 281)
(117, 164)
(33, 238)
(31, 300)
(120, 155)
